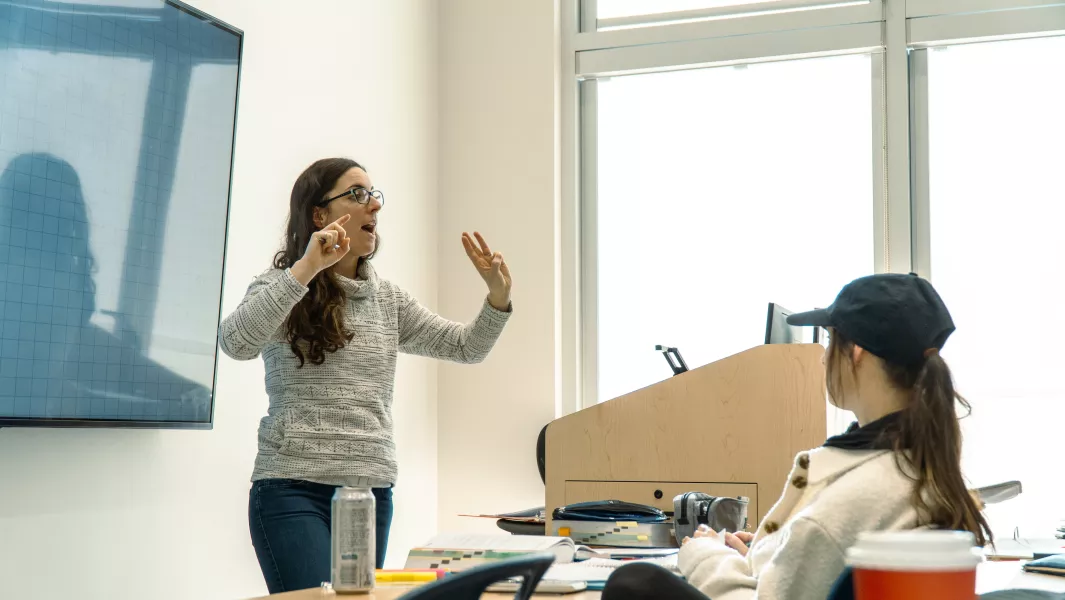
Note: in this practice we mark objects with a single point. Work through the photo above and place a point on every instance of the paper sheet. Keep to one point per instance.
(626, 553)
(599, 569)
(474, 541)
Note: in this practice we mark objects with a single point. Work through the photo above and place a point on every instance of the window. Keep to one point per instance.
(996, 139)
(717, 197)
(610, 9)
(623, 14)
(719, 155)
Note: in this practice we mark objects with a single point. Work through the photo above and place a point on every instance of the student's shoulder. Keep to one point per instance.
(875, 494)
(861, 472)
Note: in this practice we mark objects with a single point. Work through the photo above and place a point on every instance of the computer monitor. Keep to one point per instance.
(777, 330)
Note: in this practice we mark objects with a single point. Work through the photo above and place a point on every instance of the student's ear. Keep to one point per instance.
(857, 354)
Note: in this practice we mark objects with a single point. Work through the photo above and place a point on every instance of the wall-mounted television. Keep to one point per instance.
(117, 121)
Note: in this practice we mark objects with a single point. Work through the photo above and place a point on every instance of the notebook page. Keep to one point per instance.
(474, 541)
(581, 571)
(599, 569)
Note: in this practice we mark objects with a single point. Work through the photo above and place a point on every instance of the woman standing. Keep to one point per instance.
(329, 330)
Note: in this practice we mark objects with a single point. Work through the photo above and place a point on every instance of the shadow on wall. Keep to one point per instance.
(56, 362)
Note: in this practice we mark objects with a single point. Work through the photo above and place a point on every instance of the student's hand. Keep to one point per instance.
(492, 268)
(738, 541)
(701, 532)
(325, 249)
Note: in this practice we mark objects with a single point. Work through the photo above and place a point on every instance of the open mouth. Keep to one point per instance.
(370, 227)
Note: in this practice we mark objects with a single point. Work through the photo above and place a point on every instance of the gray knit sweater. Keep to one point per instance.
(332, 423)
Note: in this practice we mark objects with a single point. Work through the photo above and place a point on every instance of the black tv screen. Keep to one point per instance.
(116, 144)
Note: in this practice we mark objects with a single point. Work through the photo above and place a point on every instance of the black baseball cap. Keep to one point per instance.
(899, 318)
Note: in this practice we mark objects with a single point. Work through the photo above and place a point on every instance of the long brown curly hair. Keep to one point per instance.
(316, 325)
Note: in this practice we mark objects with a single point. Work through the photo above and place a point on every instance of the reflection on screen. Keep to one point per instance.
(116, 128)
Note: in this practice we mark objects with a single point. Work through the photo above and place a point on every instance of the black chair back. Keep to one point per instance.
(471, 584)
(541, 454)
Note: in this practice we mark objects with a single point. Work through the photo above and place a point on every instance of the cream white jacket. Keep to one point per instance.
(831, 496)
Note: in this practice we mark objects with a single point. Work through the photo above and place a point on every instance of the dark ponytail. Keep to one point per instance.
(928, 439)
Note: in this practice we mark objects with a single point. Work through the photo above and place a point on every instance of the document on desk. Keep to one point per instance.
(481, 541)
(532, 515)
(458, 551)
(584, 553)
(599, 569)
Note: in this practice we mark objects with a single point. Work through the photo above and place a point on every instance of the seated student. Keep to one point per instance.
(898, 467)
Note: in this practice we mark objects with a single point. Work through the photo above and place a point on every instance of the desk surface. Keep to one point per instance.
(392, 592)
(990, 576)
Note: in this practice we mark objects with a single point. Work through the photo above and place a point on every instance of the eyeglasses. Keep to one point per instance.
(361, 195)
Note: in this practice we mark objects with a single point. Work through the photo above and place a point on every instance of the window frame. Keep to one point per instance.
(896, 32)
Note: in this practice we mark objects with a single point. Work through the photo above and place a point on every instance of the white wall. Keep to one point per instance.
(163, 514)
(498, 174)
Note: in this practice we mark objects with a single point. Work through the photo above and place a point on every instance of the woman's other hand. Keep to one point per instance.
(492, 268)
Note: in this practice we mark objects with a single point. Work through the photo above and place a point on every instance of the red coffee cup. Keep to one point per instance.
(914, 565)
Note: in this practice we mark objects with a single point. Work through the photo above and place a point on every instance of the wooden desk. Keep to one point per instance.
(639, 447)
(391, 592)
(990, 577)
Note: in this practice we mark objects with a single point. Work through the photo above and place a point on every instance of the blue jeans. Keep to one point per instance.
(289, 522)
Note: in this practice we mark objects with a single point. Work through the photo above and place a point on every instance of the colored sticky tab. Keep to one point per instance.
(641, 538)
(398, 574)
(627, 524)
(563, 531)
(413, 577)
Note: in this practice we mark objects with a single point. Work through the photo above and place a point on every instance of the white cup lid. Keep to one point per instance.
(922, 550)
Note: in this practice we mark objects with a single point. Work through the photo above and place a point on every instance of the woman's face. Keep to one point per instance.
(362, 228)
(840, 374)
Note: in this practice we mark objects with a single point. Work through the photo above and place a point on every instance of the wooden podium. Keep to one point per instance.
(730, 428)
